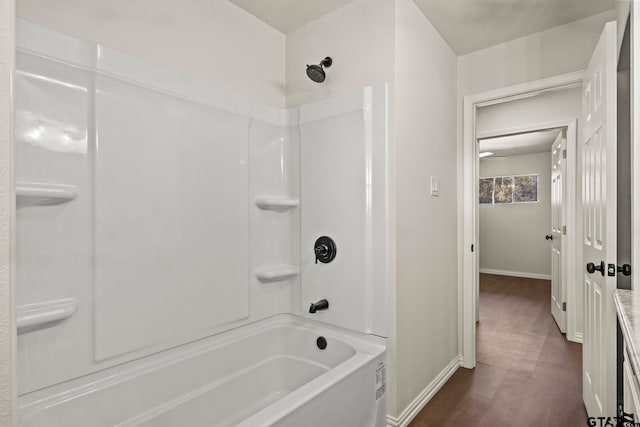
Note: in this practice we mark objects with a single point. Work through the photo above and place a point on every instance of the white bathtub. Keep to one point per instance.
(270, 373)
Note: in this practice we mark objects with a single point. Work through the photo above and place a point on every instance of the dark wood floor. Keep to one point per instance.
(527, 373)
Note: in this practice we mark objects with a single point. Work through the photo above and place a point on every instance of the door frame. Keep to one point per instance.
(468, 275)
(634, 16)
(8, 338)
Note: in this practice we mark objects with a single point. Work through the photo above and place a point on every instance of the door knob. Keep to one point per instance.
(625, 269)
(592, 268)
(548, 237)
(612, 269)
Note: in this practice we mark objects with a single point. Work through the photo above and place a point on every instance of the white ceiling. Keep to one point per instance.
(467, 25)
(470, 25)
(289, 15)
(514, 145)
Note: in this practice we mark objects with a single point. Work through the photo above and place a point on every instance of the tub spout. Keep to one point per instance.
(323, 304)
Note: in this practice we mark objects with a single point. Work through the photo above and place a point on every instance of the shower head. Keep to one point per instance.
(316, 72)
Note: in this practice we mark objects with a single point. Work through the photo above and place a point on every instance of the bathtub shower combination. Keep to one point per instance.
(187, 257)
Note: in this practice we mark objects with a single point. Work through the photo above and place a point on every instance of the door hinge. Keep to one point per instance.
(564, 230)
(472, 247)
(564, 154)
(564, 306)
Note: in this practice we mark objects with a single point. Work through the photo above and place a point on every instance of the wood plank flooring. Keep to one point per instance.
(527, 373)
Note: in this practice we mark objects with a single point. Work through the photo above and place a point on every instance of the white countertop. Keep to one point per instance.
(628, 307)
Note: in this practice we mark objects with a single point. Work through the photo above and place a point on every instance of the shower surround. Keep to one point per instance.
(161, 219)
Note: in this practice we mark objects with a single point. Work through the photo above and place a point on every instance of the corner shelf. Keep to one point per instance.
(38, 314)
(276, 273)
(276, 204)
(39, 193)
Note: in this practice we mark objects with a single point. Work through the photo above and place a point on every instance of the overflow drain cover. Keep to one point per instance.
(321, 342)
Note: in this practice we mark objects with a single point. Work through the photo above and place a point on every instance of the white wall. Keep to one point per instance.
(358, 37)
(512, 235)
(548, 53)
(210, 40)
(426, 228)
(7, 220)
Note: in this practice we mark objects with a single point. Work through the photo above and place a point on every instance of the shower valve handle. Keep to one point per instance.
(324, 249)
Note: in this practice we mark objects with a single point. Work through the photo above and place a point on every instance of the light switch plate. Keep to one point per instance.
(435, 186)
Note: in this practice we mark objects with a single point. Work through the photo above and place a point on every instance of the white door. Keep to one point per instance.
(598, 153)
(558, 227)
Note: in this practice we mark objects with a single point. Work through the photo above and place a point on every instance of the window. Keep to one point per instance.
(508, 189)
(525, 189)
(503, 190)
(486, 190)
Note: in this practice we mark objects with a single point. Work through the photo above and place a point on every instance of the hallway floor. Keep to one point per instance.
(527, 373)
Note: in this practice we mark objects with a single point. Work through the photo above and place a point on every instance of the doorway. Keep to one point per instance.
(521, 210)
(501, 102)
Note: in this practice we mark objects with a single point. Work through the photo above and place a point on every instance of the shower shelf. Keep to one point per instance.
(38, 193)
(33, 315)
(276, 273)
(277, 204)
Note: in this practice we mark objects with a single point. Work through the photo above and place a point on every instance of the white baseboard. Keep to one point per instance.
(516, 274)
(578, 337)
(425, 396)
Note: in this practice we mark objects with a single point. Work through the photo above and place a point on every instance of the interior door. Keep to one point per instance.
(598, 153)
(558, 227)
